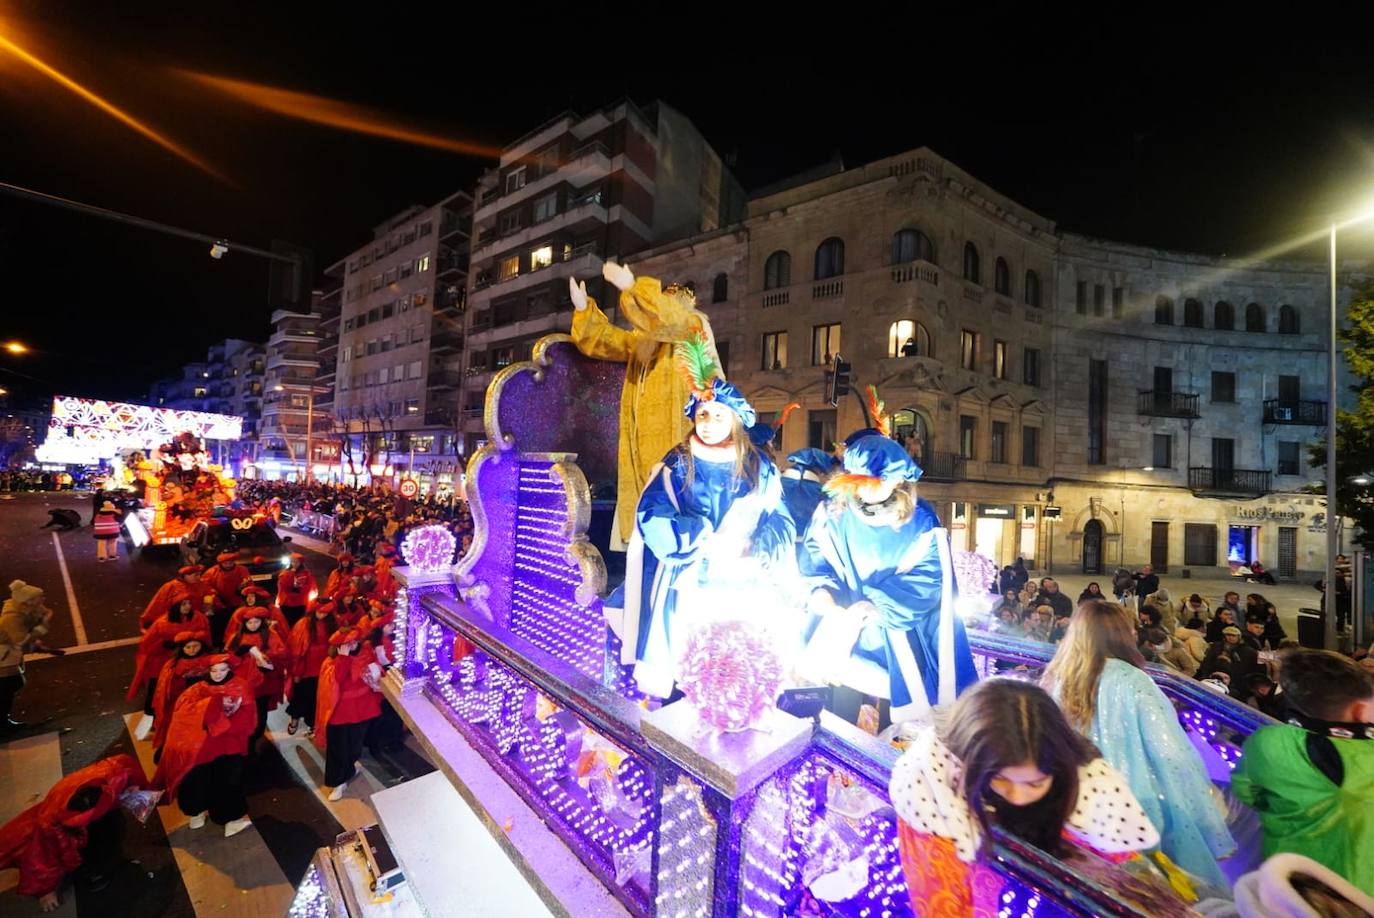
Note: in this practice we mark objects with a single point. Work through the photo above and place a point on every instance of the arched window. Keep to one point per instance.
(912, 429)
(912, 245)
(720, 288)
(1288, 321)
(830, 258)
(1001, 277)
(1192, 313)
(1032, 289)
(906, 338)
(1164, 311)
(1254, 318)
(971, 272)
(1223, 316)
(777, 270)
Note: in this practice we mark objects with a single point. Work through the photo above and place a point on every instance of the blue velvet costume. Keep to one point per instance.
(802, 492)
(917, 646)
(670, 551)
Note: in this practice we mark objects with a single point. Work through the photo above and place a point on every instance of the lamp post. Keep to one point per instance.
(1332, 514)
(310, 391)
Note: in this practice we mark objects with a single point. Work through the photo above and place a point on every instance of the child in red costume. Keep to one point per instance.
(309, 646)
(341, 577)
(227, 579)
(256, 598)
(159, 644)
(187, 666)
(188, 579)
(48, 840)
(348, 700)
(296, 589)
(202, 762)
(386, 732)
(258, 641)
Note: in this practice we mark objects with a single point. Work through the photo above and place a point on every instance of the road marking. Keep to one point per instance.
(77, 623)
(83, 648)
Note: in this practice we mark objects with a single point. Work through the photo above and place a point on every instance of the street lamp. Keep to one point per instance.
(309, 422)
(16, 347)
(1332, 513)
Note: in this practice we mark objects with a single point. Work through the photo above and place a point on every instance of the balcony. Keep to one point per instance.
(1282, 411)
(776, 298)
(444, 339)
(444, 379)
(916, 271)
(453, 223)
(826, 290)
(583, 261)
(942, 466)
(1251, 482)
(1156, 403)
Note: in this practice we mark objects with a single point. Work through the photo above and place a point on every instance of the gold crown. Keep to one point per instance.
(683, 293)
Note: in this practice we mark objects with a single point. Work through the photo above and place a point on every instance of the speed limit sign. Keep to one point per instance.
(409, 488)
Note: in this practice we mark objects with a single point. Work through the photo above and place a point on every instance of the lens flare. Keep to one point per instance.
(333, 113)
(108, 107)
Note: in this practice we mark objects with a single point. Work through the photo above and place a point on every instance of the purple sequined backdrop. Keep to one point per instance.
(576, 409)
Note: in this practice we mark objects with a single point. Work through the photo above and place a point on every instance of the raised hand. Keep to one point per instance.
(619, 275)
(577, 292)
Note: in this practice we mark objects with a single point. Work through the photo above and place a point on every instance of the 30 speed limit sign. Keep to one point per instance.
(409, 488)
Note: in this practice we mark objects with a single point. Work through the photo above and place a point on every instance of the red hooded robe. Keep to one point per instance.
(202, 731)
(45, 841)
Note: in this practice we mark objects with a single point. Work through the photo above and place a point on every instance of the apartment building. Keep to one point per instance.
(291, 420)
(398, 348)
(228, 381)
(566, 196)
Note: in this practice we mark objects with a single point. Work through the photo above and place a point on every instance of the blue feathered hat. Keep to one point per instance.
(812, 460)
(872, 461)
(696, 361)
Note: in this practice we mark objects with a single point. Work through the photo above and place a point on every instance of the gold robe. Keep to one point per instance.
(654, 394)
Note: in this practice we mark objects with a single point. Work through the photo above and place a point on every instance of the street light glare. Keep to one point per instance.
(16, 347)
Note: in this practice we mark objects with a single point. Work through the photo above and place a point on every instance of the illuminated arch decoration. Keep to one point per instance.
(86, 430)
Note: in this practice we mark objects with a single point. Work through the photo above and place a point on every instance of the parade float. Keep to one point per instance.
(599, 800)
(157, 454)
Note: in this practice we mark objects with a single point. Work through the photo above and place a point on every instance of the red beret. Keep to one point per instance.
(184, 636)
(251, 587)
(344, 636)
(227, 556)
(345, 558)
(191, 569)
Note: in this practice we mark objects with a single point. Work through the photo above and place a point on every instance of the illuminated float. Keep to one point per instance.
(603, 801)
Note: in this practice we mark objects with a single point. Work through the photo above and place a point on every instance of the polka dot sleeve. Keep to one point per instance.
(1107, 816)
(927, 796)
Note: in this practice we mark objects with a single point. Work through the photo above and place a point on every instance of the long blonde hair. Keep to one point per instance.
(748, 458)
(1099, 630)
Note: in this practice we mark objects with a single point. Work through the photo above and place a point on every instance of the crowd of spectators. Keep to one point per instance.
(358, 520)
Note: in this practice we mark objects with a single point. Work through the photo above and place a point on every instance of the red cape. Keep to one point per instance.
(45, 841)
(170, 685)
(152, 656)
(200, 730)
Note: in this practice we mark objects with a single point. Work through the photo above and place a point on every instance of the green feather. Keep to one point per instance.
(694, 361)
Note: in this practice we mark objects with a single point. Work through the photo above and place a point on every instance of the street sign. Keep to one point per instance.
(409, 488)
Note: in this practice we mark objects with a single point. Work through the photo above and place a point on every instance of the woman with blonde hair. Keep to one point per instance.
(1098, 677)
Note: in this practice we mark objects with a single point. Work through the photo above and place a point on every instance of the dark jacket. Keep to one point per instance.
(1057, 600)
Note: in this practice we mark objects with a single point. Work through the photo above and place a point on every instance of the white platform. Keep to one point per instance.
(452, 864)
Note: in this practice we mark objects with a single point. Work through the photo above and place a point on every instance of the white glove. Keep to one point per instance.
(619, 275)
(578, 293)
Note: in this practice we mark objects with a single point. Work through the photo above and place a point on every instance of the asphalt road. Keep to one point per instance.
(108, 597)
(80, 697)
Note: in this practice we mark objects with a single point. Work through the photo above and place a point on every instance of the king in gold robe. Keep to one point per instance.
(651, 418)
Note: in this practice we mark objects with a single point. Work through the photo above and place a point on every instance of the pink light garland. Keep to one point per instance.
(429, 549)
(730, 673)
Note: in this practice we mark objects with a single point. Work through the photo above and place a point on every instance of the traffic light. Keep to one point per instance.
(837, 384)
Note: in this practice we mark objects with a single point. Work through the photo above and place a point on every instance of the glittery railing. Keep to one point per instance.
(598, 795)
(687, 852)
(544, 606)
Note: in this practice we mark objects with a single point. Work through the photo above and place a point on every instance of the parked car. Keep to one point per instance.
(260, 549)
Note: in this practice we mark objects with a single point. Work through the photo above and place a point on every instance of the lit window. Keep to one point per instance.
(968, 350)
(774, 351)
(503, 357)
(515, 180)
(422, 263)
(999, 360)
(825, 343)
(898, 336)
(541, 257)
(412, 405)
(508, 268)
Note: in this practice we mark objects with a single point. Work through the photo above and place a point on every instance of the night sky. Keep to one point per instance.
(1187, 134)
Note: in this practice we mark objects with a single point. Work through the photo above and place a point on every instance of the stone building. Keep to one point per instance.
(566, 196)
(1079, 403)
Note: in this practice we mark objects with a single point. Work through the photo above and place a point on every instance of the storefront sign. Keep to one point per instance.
(1004, 511)
(1270, 513)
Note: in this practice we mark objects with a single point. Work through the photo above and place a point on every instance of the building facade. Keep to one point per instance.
(295, 431)
(565, 197)
(228, 381)
(1082, 404)
(398, 349)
